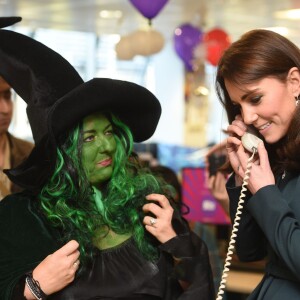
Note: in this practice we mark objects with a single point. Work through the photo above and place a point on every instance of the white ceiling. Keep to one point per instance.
(234, 16)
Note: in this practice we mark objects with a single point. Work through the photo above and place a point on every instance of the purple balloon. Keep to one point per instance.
(149, 8)
(186, 38)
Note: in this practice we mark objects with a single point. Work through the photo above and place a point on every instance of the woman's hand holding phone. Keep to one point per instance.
(233, 144)
(261, 173)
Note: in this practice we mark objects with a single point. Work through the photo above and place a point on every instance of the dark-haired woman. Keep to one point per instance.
(258, 82)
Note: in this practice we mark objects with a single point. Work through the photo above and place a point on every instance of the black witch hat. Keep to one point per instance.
(40, 76)
(57, 99)
(8, 21)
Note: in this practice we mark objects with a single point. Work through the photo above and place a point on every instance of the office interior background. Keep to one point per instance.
(89, 33)
(86, 33)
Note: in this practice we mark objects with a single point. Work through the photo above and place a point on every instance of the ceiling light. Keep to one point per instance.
(288, 14)
(110, 14)
(201, 91)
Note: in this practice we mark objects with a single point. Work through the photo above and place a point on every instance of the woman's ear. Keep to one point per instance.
(294, 80)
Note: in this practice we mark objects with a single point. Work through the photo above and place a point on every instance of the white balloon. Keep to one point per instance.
(147, 42)
(124, 49)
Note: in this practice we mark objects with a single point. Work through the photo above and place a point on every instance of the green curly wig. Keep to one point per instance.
(71, 204)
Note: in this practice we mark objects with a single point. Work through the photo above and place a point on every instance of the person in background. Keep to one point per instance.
(13, 150)
(171, 178)
(258, 82)
(202, 230)
(216, 178)
(95, 225)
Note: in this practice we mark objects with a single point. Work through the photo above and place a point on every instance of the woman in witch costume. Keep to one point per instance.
(92, 223)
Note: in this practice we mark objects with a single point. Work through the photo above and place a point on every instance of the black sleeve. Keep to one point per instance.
(18, 292)
(192, 264)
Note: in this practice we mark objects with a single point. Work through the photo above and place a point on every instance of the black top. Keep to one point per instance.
(122, 267)
(120, 272)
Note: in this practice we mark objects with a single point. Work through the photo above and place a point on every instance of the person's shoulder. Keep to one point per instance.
(15, 201)
(15, 212)
(19, 141)
(20, 149)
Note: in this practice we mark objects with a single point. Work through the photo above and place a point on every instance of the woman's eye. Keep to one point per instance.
(256, 99)
(89, 138)
(7, 95)
(235, 105)
(109, 132)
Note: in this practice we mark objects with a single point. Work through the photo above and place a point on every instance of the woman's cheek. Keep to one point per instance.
(89, 158)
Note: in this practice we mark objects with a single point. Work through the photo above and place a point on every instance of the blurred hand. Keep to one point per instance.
(217, 186)
(217, 148)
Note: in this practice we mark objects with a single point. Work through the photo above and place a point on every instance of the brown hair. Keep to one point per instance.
(258, 54)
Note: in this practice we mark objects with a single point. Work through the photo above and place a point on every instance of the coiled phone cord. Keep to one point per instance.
(236, 223)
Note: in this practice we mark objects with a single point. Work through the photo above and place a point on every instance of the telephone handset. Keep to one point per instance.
(250, 141)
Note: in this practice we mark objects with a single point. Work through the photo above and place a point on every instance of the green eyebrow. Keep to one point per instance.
(93, 130)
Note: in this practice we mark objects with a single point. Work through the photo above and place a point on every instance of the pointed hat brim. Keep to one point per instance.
(8, 21)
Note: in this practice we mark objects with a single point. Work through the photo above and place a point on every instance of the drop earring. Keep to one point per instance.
(297, 100)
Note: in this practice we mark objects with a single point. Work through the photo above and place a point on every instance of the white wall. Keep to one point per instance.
(169, 86)
(217, 119)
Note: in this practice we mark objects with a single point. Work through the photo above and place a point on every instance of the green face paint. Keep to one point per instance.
(99, 147)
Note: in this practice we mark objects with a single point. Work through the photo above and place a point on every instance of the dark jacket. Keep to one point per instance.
(270, 227)
(19, 150)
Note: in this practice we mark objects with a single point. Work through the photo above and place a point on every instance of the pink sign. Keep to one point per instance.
(203, 206)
